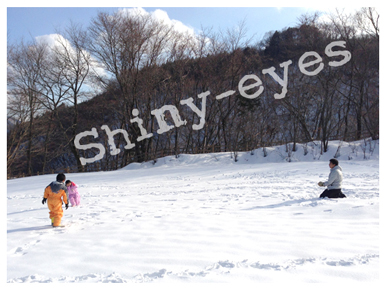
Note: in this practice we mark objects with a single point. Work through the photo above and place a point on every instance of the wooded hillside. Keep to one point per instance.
(140, 65)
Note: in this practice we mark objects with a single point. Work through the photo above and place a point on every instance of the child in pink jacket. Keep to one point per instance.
(73, 194)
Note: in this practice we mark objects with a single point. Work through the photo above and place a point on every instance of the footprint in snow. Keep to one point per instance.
(20, 251)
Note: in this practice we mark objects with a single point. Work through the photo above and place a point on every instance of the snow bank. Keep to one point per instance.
(309, 152)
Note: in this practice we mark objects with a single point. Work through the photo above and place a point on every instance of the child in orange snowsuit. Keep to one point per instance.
(53, 195)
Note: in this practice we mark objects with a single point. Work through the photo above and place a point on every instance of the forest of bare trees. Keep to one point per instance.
(124, 66)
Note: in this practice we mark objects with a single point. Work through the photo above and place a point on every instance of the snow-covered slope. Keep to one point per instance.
(205, 218)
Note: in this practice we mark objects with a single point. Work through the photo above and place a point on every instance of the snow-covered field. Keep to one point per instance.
(205, 218)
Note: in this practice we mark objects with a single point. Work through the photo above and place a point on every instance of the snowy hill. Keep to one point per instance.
(205, 218)
(309, 152)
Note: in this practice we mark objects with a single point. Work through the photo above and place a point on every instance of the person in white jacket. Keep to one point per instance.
(334, 182)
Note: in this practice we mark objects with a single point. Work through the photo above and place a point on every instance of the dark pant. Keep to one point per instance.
(332, 193)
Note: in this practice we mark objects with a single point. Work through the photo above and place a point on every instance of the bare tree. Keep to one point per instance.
(24, 66)
(69, 53)
(367, 21)
(361, 33)
(126, 43)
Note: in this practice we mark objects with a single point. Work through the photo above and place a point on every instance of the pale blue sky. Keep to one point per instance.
(30, 22)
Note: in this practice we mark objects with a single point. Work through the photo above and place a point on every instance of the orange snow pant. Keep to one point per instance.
(54, 202)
